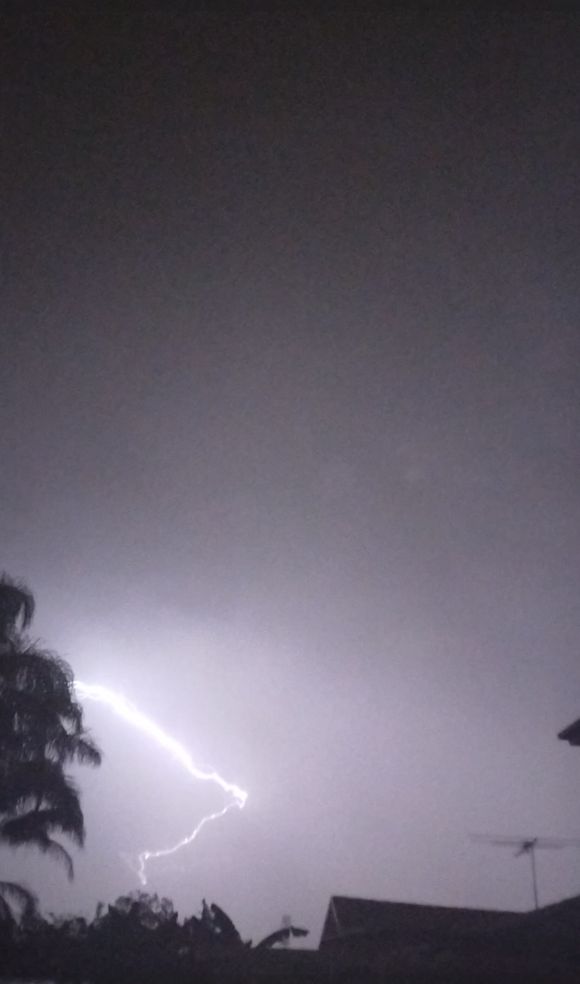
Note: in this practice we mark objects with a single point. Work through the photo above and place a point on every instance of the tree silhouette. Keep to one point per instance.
(138, 940)
(41, 732)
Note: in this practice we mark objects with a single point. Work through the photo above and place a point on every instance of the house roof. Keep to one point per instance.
(348, 918)
(560, 918)
(571, 733)
(552, 932)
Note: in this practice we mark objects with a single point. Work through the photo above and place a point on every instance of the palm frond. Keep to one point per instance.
(43, 671)
(34, 827)
(224, 924)
(31, 830)
(58, 852)
(41, 729)
(42, 781)
(16, 602)
(79, 748)
(6, 914)
(23, 898)
(280, 936)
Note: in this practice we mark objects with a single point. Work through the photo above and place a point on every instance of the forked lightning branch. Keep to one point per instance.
(236, 797)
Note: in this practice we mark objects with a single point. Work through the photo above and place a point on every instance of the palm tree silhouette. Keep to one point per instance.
(41, 731)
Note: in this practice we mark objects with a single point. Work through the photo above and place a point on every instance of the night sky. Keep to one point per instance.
(289, 366)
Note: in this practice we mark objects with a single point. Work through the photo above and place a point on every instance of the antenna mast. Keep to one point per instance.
(528, 845)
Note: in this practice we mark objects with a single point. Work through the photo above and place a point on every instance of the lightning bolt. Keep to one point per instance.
(133, 716)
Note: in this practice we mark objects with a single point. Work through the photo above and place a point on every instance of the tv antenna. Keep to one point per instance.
(529, 846)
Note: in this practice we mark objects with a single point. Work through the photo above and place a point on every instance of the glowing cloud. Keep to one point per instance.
(133, 716)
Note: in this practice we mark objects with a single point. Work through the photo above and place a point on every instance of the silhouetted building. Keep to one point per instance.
(428, 939)
(571, 733)
(357, 923)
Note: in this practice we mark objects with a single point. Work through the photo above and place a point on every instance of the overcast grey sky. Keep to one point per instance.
(289, 452)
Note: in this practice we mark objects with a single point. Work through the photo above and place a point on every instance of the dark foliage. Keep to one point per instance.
(41, 732)
(137, 939)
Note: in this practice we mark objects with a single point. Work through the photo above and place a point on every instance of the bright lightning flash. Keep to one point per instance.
(133, 716)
